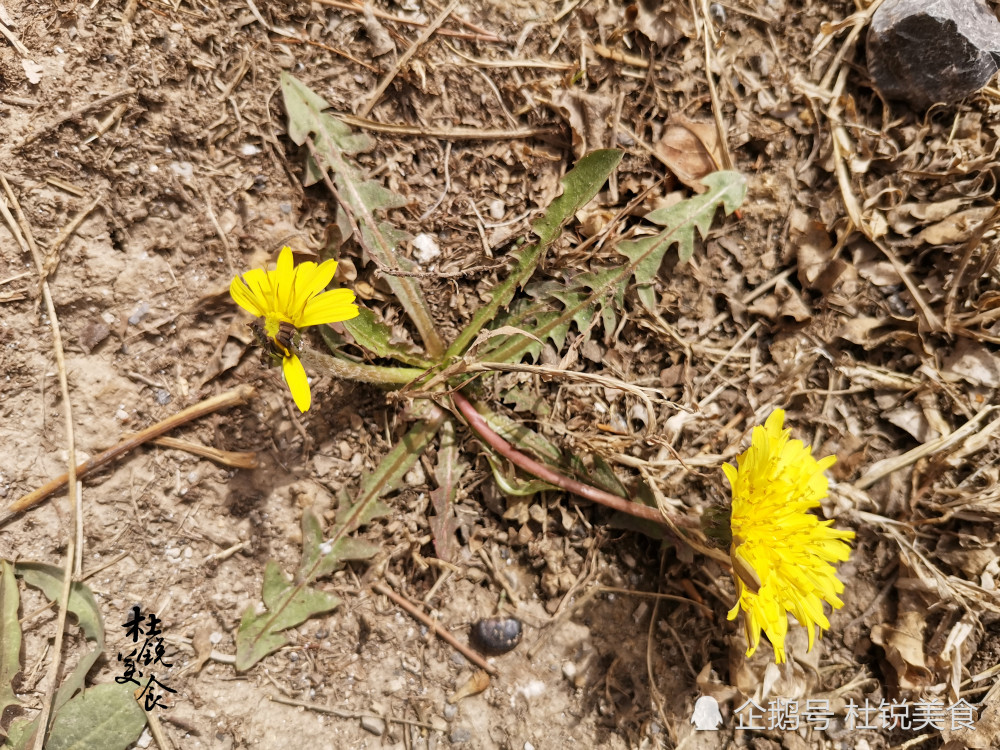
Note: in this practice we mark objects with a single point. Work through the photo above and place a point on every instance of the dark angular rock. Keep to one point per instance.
(927, 51)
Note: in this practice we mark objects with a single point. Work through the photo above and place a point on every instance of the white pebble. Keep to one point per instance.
(532, 690)
(426, 249)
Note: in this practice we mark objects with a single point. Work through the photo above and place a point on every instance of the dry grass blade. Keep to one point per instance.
(887, 466)
(448, 134)
(239, 395)
(72, 114)
(73, 544)
(426, 34)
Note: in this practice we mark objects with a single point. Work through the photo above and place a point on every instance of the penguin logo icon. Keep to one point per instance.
(706, 716)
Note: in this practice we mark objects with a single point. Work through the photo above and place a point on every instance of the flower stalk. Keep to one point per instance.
(327, 364)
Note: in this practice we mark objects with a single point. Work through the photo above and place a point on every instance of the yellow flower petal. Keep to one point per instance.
(777, 541)
(330, 307)
(314, 280)
(246, 299)
(283, 280)
(298, 383)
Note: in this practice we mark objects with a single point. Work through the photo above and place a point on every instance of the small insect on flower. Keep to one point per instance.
(782, 555)
(273, 351)
(284, 300)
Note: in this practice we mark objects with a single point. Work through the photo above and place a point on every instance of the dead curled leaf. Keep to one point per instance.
(660, 22)
(904, 649)
(587, 115)
(784, 303)
(382, 43)
(814, 253)
(973, 363)
(956, 228)
(691, 150)
(476, 684)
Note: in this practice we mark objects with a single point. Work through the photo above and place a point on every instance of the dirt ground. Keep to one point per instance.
(145, 144)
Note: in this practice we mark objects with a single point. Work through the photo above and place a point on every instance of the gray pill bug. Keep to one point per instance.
(496, 635)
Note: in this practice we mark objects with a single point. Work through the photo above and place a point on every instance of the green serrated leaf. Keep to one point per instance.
(10, 637)
(335, 142)
(19, 734)
(725, 189)
(580, 185)
(82, 604)
(520, 436)
(276, 586)
(525, 398)
(604, 476)
(376, 337)
(288, 604)
(333, 555)
(105, 716)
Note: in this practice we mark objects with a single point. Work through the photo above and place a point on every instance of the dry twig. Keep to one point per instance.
(239, 395)
(405, 57)
(74, 113)
(74, 545)
(436, 628)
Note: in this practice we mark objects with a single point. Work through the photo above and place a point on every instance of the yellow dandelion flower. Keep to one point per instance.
(286, 299)
(782, 555)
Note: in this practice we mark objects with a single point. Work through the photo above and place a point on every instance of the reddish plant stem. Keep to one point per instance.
(530, 465)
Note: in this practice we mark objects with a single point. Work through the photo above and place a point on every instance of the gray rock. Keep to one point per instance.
(459, 735)
(373, 724)
(927, 51)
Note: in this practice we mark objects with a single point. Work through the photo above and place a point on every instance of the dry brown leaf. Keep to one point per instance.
(858, 330)
(593, 219)
(766, 307)
(587, 115)
(476, 684)
(690, 150)
(663, 23)
(381, 41)
(972, 362)
(954, 229)
(985, 735)
(202, 643)
(967, 552)
(792, 305)
(903, 644)
(911, 418)
(906, 217)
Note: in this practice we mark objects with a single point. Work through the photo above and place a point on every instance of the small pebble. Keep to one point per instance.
(373, 724)
(426, 249)
(496, 635)
(459, 735)
(139, 313)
